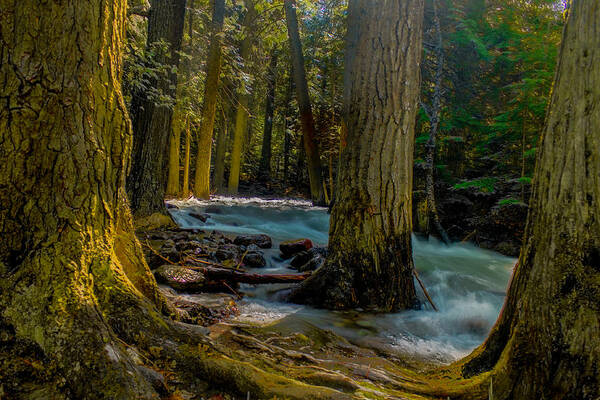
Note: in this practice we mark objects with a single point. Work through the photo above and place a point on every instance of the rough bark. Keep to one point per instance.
(220, 153)
(306, 115)
(265, 159)
(72, 273)
(174, 144)
(545, 343)
(434, 120)
(147, 180)
(370, 255)
(243, 95)
(209, 108)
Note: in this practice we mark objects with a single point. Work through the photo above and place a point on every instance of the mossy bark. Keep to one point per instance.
(174, 144)
(209, 108)
(147, 180)
(71, 270)
(370, 255)
(264, 169)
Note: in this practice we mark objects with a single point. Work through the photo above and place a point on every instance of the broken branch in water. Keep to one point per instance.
(225, 274)
(416, 274)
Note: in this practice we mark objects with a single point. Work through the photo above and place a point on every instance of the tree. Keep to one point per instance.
(147, 178)
(544, 344)
(370, 254)
(306, 116)
(265, 159)
(72, 276)
(213, 71)
(434, 114)
(243, 99)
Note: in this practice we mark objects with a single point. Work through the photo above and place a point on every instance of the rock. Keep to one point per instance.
(292, 247)
(201, 217)
(227, 252)
(171, 206)
(180, 278)
(156, 379)
(262, 241)
(305, 256)
(191, 245)
(255, 259)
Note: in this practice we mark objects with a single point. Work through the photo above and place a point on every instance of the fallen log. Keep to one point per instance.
(224, 274)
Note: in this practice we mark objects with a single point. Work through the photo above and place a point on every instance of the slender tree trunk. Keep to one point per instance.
(73, 281)
(209, 109)
(241, 118)
(174, 144)
(545, 344)
(306, 116)
(436, 110)
(221, 150)
(370, 254)
(179, 119)
(147, 180)
(185, 187)
(287, 139)
(265, 159)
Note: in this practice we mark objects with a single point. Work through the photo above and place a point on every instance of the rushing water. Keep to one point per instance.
(466, 283)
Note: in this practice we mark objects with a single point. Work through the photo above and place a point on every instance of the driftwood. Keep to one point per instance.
(416, 274)
(225, 274)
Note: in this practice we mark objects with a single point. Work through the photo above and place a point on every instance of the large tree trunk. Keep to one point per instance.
(287, 136)
(265, 159)
(434, 119)
(370, 255)
(243, 95)
(72, 274)
(209, 109)
(306, 116)
(147, 180)
(220, 154)
(545, 344)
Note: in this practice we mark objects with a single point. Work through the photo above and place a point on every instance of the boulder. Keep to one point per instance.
(255, 259)
(292, 247)
(180, 278)
(227, 252)
(262, 241)
(198, 216)
(305, 256)
(312, 264)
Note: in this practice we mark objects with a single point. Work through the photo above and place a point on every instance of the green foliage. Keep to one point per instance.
(484, 184)
(525, 180)
(508, 201)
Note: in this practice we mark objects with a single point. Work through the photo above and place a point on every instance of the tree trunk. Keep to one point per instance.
(545, 344)
(306, 116)
(370, 255)
(179, 118)
(209, 109)
(147, 180)
(174, 144)
(241, 117)
(72, 275)
(287, 139)
(221, 150)
(265, 159)
(185, 186)
(436, 110)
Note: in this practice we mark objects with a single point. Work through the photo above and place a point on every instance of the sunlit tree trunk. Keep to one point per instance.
(209, 109)
(306, 116)
(243, 96)
(185, 186)
(72, 275)
(370, 255)
(265, 159)
(545, 344)
(147, 180)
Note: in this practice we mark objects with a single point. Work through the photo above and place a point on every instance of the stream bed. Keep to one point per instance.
(466, 283)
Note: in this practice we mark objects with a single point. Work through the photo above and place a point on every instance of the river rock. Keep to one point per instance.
(213, 210)
(305, 256)
(255, 259)
(198, 216)
(262, 241)
(312, 264)
(227, 252)
(180, 278)
(292, 247)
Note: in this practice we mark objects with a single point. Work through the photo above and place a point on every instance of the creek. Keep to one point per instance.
(466, 283)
